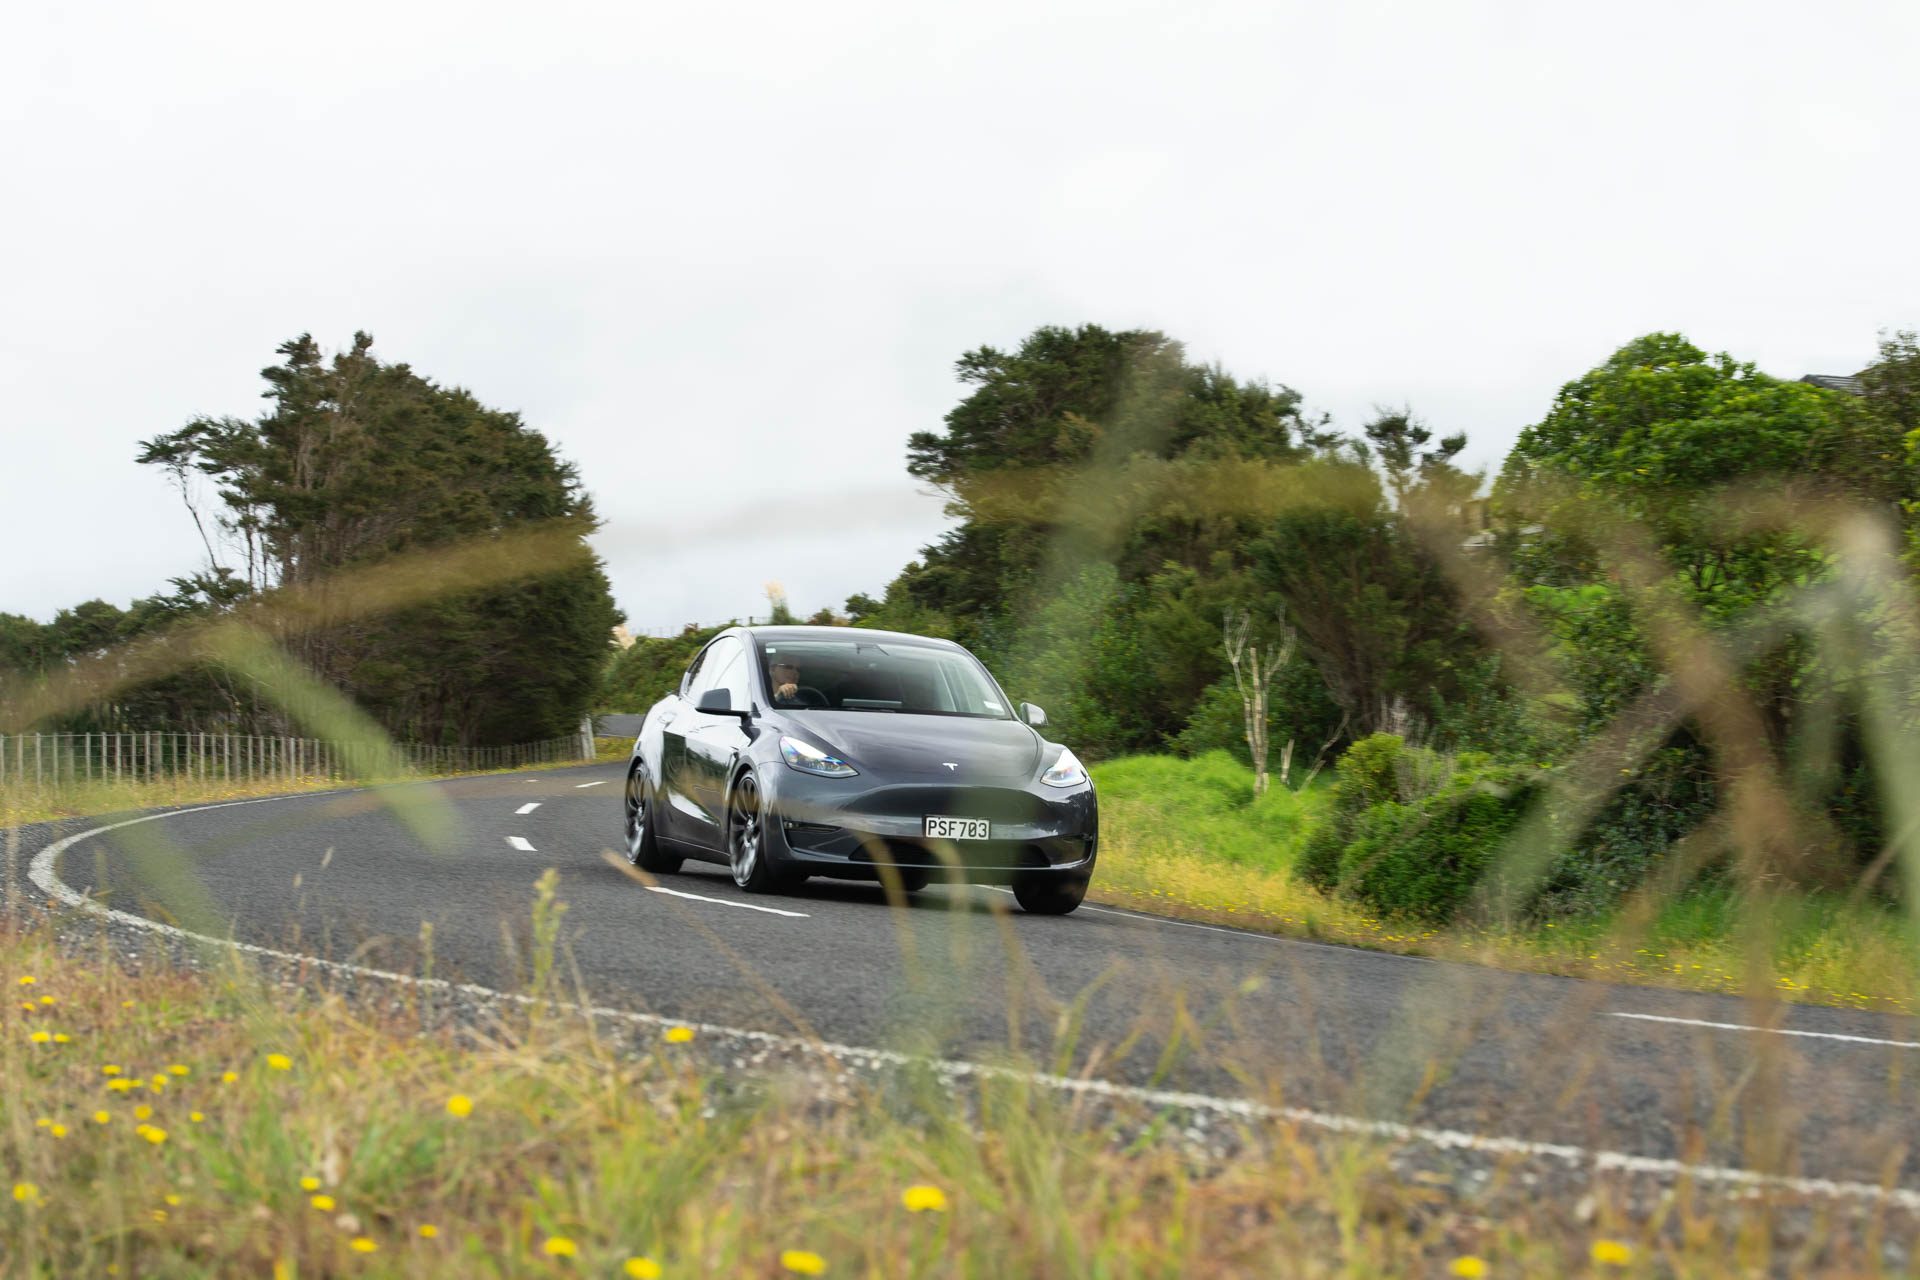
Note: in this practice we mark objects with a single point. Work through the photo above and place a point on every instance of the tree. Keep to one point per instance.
(1253, 678)
(356, 461)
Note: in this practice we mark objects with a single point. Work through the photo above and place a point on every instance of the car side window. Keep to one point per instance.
(713, 665)
(735, 680)
(693, 672)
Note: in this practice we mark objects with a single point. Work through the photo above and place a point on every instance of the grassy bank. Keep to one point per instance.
(1188, 838)
(179, 1124)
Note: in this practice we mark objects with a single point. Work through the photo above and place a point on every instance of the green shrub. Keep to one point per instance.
(1410, 830)
(1669, 795)
(1424, 859)
(1378, 769)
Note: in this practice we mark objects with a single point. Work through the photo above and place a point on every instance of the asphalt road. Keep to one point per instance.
(962, 973)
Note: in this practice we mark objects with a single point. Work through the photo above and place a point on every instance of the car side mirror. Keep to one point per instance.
(719, 702)
(1032, 715)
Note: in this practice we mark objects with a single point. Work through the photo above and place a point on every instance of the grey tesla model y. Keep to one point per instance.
(790, 752)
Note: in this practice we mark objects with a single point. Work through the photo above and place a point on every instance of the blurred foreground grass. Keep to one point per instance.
(190, 1123)
(1187, 838)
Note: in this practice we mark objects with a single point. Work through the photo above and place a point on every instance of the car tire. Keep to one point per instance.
(1049, 895)
(643, 841)
(747, 854)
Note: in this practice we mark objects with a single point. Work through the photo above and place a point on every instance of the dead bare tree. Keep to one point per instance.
(1253, 676)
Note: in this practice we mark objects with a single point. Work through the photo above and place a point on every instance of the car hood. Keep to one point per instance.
(895, 745)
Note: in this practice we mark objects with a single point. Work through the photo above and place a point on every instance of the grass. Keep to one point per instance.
(182, 1123)
(1188, 838)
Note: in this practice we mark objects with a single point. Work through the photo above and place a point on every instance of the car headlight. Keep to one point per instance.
(808, 758)
(1066, 771)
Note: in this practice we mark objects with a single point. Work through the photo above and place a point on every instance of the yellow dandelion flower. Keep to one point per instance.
(1468, 1267)
(57, 1130)
(679, 1035)
(42, 1123)
(40, 1037)
(459, 1106)
(26, 979)
(177, 1069)
(559, 1247)
(228, 1077)
(123, 1085)
(172, 1200)
(428, 1231)
(159, 1084)
(110, 1070)
(642, 1268)
(309, 1183)
(923, 1198)
(143, 1112)
(25, 1192)
(279, 1062)
(323, 1202)
(360, 1244)
(46, 1000)
(61, 1037)
(101, 1117)
(195, 1117)
(155, 1135)
(1612, 1253)
(803, 1262)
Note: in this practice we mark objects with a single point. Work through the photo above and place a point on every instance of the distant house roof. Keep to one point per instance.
(1847, 382)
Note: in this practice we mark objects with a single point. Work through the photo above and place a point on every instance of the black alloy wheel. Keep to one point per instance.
(747, 853)
(643, 844)
(1049, 895)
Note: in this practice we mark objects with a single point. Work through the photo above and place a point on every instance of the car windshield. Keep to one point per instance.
(870, 675)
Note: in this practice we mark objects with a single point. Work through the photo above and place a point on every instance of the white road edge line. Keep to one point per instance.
(527, 808)
(581, 786)
(522, 844)
(41, 872)
(728, 902)
(1772, 1031)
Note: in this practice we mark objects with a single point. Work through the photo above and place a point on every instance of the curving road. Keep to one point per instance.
(962, 973)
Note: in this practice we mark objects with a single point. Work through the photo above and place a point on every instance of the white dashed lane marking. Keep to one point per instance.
(581, 786)
(1771, 1031)
(522, 844)
(725, 902)
(528, 808)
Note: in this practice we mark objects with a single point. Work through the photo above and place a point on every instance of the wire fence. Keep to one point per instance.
(59, 761)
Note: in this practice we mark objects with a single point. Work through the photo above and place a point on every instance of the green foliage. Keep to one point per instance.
(1375, 615)
(356, 461)
(1684, 445)
(1669, 796)
(1410, 830)
(1423, 861)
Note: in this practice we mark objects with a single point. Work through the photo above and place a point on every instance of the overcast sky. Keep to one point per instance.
(725, 255)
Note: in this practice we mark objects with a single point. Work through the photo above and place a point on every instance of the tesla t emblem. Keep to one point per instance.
(951, 765)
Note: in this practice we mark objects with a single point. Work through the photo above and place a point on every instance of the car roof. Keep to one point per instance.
(842, 633)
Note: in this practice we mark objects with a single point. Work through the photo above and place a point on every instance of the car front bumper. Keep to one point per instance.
(840, 827)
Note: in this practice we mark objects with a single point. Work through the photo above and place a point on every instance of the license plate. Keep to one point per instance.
(956, 828)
